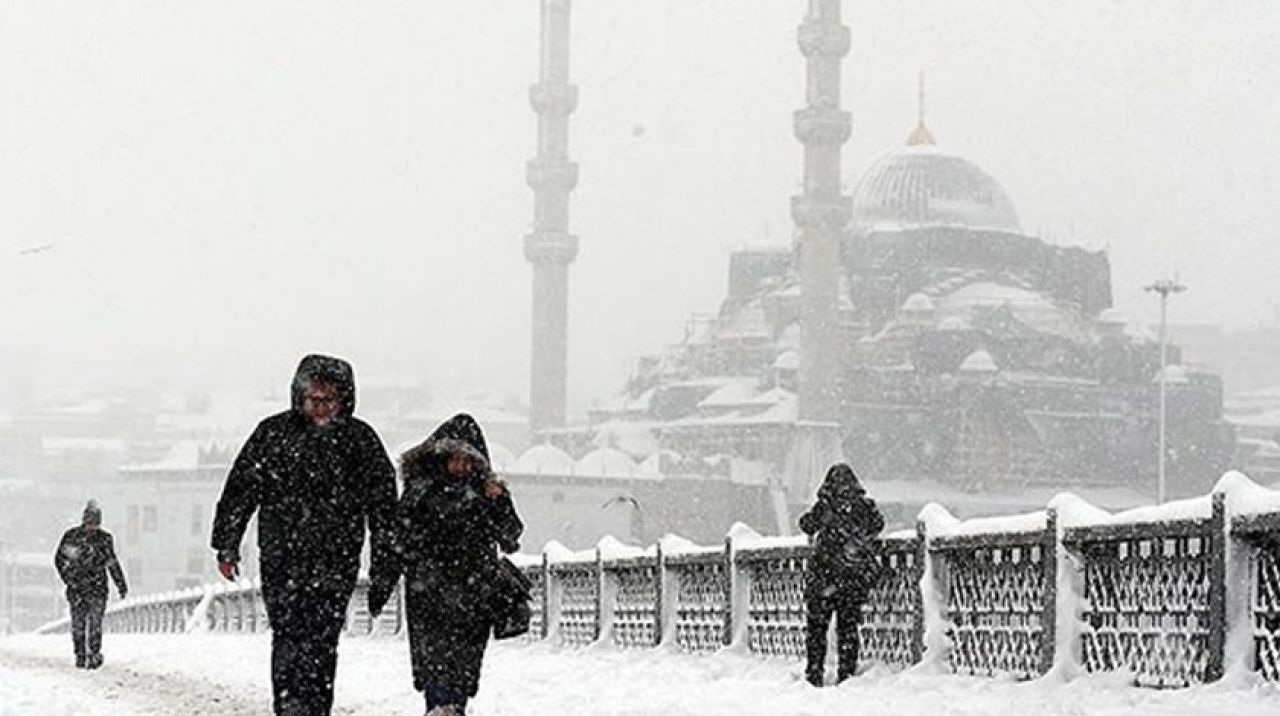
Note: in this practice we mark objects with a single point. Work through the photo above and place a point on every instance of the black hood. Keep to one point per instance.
(840, 482)
(326, 369)
(459, 433)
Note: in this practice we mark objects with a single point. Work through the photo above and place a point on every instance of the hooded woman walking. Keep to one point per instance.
(454, 516)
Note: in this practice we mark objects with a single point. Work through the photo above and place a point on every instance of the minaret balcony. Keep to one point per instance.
(821, 212)
(551, 174)
(550, 247)
(822, 126)
(553, 97)
(821, 38)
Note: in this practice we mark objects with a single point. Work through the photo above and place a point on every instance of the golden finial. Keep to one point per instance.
(920, 135)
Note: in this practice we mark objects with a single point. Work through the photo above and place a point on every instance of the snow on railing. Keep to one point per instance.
(1182, 593)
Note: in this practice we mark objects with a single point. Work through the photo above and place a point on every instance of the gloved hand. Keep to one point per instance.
(124, 593)
(229, 564)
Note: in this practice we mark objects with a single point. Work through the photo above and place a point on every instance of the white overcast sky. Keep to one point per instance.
(229, 184)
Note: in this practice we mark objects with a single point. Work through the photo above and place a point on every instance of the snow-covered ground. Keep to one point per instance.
(220, 675)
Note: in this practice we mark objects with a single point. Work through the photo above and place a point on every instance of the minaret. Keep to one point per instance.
(550, 247)
(822, 211)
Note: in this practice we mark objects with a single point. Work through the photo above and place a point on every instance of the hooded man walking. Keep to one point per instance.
(317, 476)
(842, 569)
(86, 554)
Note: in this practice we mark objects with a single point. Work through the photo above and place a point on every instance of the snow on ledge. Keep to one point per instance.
(612, 549)
(1246, 497)
(940, 523)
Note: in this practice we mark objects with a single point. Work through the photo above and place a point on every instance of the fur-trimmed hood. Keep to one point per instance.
(461, 433)
(325, 369)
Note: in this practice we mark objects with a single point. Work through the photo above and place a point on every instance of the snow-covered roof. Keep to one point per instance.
(787, 360)
(634, 438)
(1029, 307)
(60, 444)
(1113, 317)
(740, 392)
(1174, 374)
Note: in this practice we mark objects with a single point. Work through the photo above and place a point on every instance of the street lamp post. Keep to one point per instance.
(1164, 287)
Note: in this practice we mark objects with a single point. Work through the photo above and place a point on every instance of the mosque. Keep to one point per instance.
(914, 328)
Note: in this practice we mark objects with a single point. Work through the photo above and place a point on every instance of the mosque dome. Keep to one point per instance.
(920, 186)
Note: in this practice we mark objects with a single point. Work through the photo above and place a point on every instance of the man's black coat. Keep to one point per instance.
(84, 558)
(315, 490)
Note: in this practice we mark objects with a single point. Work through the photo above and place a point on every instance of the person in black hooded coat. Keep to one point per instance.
(842, 568)
(317, 476)
(454, 515)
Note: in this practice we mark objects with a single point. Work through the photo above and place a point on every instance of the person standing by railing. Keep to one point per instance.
(85, 556)
(316, 475)
(842, 569)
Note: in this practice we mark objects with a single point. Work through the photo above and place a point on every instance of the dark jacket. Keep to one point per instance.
(84, 558)
(449, 537)
(844, 523)
(315, 489)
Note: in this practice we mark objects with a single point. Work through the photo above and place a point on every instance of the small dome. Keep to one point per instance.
(922, 186)
(605, 462)
(543, 460)
(917, 303)
(979, 361)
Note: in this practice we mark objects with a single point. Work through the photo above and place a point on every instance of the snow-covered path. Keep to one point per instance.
(220, 675)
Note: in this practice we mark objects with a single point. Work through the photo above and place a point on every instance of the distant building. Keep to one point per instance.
(161, 514)
(30, 592)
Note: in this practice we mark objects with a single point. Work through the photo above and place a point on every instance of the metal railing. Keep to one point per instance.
(1151, 598)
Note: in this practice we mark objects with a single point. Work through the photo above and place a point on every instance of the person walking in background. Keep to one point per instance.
(454, 516)
(317, 476)
(86, 555)
(842, 569)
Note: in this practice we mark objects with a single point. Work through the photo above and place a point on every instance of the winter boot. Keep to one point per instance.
(94, 661)
(82, 662)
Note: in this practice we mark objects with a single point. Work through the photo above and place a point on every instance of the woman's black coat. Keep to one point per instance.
(449, 534)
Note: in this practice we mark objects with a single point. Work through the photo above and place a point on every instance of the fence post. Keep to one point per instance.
(917, 576)
(1217, 588)
(660, 579)
(600, 625)
(546, 595)
(730, 578)
(1049, 613)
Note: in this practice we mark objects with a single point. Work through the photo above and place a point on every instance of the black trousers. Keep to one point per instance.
(848, 614)
(86, 624)
(305, 626)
